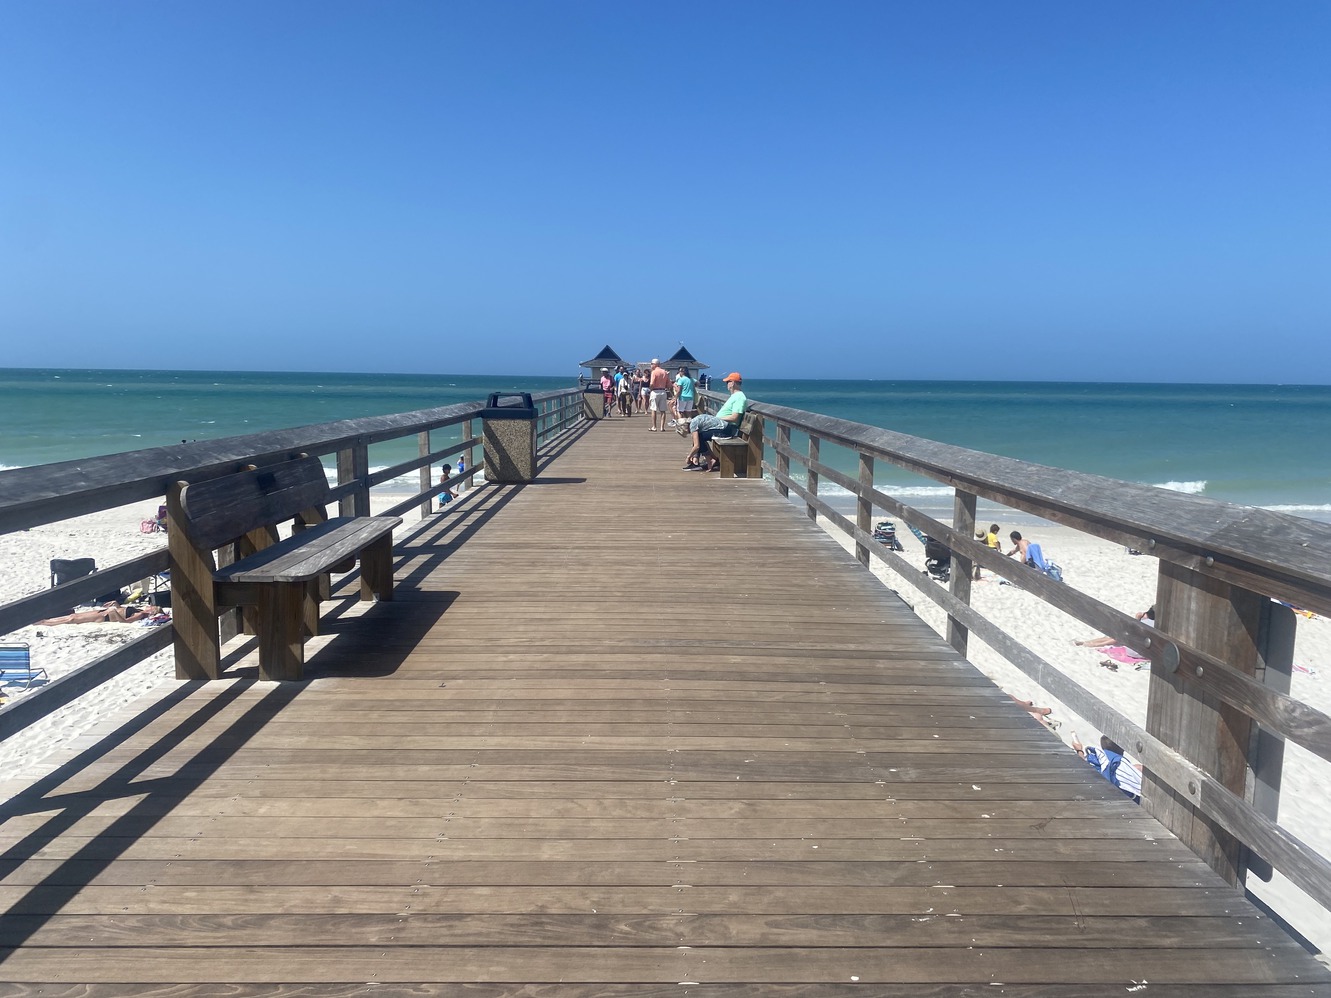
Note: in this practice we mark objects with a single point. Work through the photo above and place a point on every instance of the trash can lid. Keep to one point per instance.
(509, 405)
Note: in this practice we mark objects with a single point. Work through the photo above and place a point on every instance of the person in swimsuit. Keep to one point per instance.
(108, 613)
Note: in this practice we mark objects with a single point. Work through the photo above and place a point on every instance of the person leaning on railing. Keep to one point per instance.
(725, 423)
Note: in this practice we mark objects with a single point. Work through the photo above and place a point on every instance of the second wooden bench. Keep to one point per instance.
(733, 454)
(279, 583)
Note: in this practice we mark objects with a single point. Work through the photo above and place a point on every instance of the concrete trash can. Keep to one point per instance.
(508, 431)
(593, 401)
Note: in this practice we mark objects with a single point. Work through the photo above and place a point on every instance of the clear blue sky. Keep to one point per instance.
(1034, 190)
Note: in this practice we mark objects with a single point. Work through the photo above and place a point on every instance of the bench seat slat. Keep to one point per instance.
(309, 553)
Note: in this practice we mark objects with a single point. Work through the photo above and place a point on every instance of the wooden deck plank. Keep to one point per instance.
(746, 765)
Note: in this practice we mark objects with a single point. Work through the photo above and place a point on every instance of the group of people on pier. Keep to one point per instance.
(672, 403)
(668, 399)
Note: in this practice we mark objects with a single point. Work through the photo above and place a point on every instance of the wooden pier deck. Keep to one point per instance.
(625, 731)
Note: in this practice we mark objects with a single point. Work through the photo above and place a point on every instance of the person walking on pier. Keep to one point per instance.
(659, 403)
(624, 392)
(683, 401)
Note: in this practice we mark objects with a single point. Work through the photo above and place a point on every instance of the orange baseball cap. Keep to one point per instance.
(732, 376)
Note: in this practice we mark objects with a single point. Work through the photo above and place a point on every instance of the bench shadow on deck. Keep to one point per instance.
(621, 730)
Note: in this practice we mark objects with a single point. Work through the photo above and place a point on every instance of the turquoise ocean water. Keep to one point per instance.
(1262, 445)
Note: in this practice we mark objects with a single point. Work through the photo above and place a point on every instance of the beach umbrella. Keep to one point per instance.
(682, 358)
(606, 358)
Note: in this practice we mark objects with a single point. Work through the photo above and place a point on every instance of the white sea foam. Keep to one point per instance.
(1300, 508)
(828, 490)
(407, 484)
(1191, 488)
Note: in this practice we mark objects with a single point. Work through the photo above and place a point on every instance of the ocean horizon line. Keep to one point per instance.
(750, 377)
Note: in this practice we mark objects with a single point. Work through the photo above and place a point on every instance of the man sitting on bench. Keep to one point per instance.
(724, 424)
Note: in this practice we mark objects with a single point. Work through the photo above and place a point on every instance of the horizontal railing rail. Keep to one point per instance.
(1221, 566)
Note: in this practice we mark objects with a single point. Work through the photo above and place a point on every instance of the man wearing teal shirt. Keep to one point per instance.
(724, 424)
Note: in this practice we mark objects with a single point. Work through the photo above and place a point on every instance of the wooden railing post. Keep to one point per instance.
(423, 448)
(471, 455)
(782, 460)
(863, 507)
(755, 466)
(814, 443)
(963, 522)
(353, 465)
(1222, 620)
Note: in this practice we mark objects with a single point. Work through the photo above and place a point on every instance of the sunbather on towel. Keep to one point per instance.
(108, 613)
(1147, 617)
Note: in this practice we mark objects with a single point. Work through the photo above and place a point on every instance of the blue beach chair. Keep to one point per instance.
(16, 666)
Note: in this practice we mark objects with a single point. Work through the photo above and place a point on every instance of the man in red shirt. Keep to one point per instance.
(659, 401)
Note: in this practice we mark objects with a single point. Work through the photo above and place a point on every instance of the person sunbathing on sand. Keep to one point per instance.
(1147, 617)
(108, 613)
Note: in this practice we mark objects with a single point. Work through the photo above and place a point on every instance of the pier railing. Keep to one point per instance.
(31, 497)
(1218, 710)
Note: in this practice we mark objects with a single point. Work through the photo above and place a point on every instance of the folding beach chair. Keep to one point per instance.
(16, 666)
(68, 569)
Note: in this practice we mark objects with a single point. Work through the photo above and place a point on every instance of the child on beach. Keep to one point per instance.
(446, 494)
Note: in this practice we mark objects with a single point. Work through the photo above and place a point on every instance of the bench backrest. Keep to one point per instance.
(219, 511)
(746, 425)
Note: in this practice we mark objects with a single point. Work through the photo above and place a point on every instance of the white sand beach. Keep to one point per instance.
(1098, 568)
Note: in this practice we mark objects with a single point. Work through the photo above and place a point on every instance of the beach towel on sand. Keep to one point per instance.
(1121, 653)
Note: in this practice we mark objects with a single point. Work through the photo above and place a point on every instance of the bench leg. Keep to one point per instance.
(314, 594)
(198, 643)
(376, 570)
(733, 462)
(281, 630)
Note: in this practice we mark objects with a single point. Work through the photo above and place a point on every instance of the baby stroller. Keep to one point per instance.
(885, 532)
(937, 560)
(937, 557)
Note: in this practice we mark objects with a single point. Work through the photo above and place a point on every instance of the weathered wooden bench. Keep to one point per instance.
(277, 583)
(733, 453)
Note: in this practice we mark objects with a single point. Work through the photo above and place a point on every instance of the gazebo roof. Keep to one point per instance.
(682, 358)
(606, 358)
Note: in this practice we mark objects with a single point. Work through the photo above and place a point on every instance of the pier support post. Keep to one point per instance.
(1224, 621)
(963, 522)
(467, 429)
(864, 508)
(814, 443)
(782, 459)
(423, 448)
(353, 465)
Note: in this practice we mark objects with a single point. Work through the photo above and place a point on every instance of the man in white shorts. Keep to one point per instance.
(659, 401)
